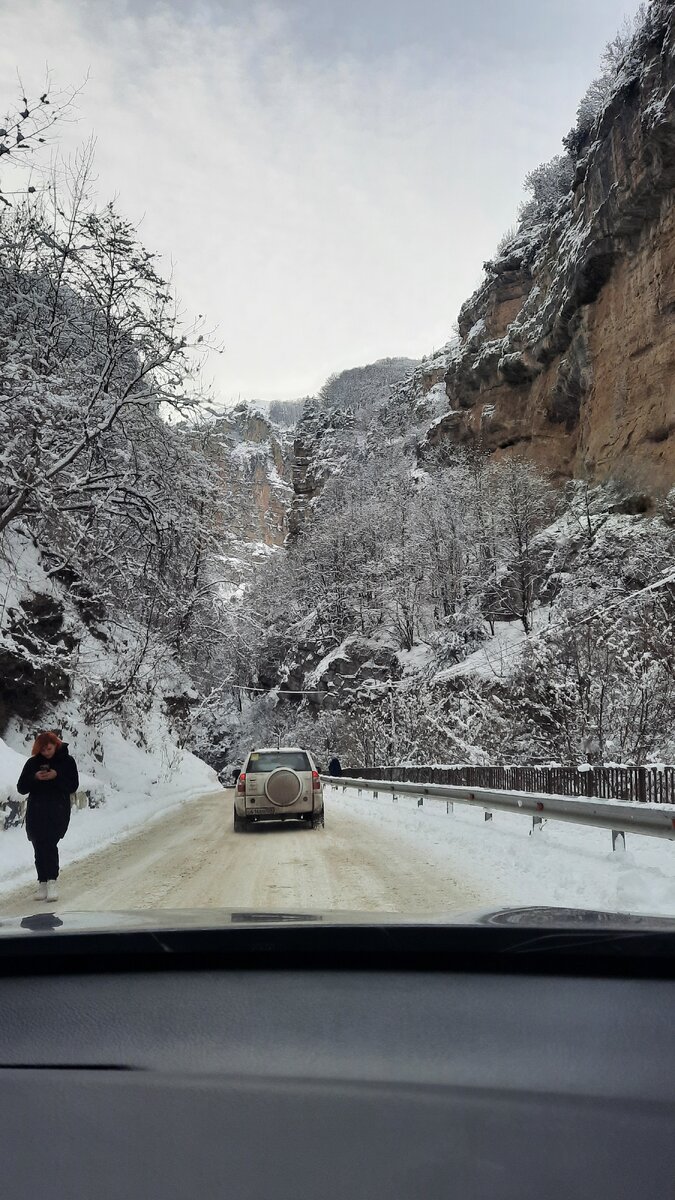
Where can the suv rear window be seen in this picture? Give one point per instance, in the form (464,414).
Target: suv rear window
(269,760)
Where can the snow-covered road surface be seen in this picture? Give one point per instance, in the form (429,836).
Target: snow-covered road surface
(193,859)
(373,855)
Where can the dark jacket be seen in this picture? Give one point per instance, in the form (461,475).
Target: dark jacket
(335,768)
(48,811)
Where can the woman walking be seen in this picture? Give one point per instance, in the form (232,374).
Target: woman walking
(49,778)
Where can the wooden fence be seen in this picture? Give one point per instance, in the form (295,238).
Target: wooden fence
(649,785)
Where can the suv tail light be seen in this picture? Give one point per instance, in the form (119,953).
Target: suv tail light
(241,784)
(316,782)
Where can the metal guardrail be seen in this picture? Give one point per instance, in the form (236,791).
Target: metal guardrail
(617,816)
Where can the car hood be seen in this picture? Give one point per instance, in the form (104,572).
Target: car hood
(217,919)
(552,940)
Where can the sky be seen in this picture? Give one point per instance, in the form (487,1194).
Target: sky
(324,178)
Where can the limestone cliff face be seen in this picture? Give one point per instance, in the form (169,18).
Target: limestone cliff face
(254,459)
(567,351)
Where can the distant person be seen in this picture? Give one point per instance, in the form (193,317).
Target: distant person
(335,768)
(49,778)
(235,775)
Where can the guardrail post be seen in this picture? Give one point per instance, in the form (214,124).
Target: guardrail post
(537,822)
(618,839)
(449,806)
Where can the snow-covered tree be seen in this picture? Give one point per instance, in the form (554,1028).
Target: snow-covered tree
(547,184)
(598,92)
(102,459)
(26,128)
(522,503)
(360,389)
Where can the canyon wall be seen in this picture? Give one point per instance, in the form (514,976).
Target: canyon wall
(567,350)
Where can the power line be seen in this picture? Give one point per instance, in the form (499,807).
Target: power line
(240,687)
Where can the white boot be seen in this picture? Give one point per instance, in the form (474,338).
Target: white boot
(41,893)
(52,890)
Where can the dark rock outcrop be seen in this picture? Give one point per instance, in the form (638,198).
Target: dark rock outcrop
(34,659)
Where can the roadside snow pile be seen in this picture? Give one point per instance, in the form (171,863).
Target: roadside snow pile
(560,865)
(11,763)
(134,786)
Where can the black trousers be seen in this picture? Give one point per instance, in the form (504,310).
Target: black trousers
(46,860)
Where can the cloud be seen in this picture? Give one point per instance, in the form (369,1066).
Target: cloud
(323,211)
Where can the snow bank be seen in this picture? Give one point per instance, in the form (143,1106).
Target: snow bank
(560,865)
(133,787)
(11,763)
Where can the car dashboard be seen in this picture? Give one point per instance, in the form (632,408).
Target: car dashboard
(290,1055)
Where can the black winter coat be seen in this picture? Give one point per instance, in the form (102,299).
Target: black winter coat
(48,811)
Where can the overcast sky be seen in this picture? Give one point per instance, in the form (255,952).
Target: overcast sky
(327,176)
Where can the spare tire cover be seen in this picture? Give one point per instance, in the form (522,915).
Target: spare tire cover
(283,787)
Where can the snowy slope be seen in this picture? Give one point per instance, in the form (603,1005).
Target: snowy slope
(130,759)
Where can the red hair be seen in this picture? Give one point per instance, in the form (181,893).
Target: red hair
(45,739)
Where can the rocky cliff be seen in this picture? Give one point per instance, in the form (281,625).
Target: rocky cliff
(336,425)
(436,605)
(253,460)
(255,464)
(567,350)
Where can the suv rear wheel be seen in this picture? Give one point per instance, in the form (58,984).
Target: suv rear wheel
(318,820)
(240,824)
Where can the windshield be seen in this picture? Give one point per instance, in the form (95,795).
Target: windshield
(337,457)
(272,760)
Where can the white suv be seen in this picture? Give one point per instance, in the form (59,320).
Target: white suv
(278,785)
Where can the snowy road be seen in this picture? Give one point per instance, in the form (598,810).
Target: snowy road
(192,859)
(372,855)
